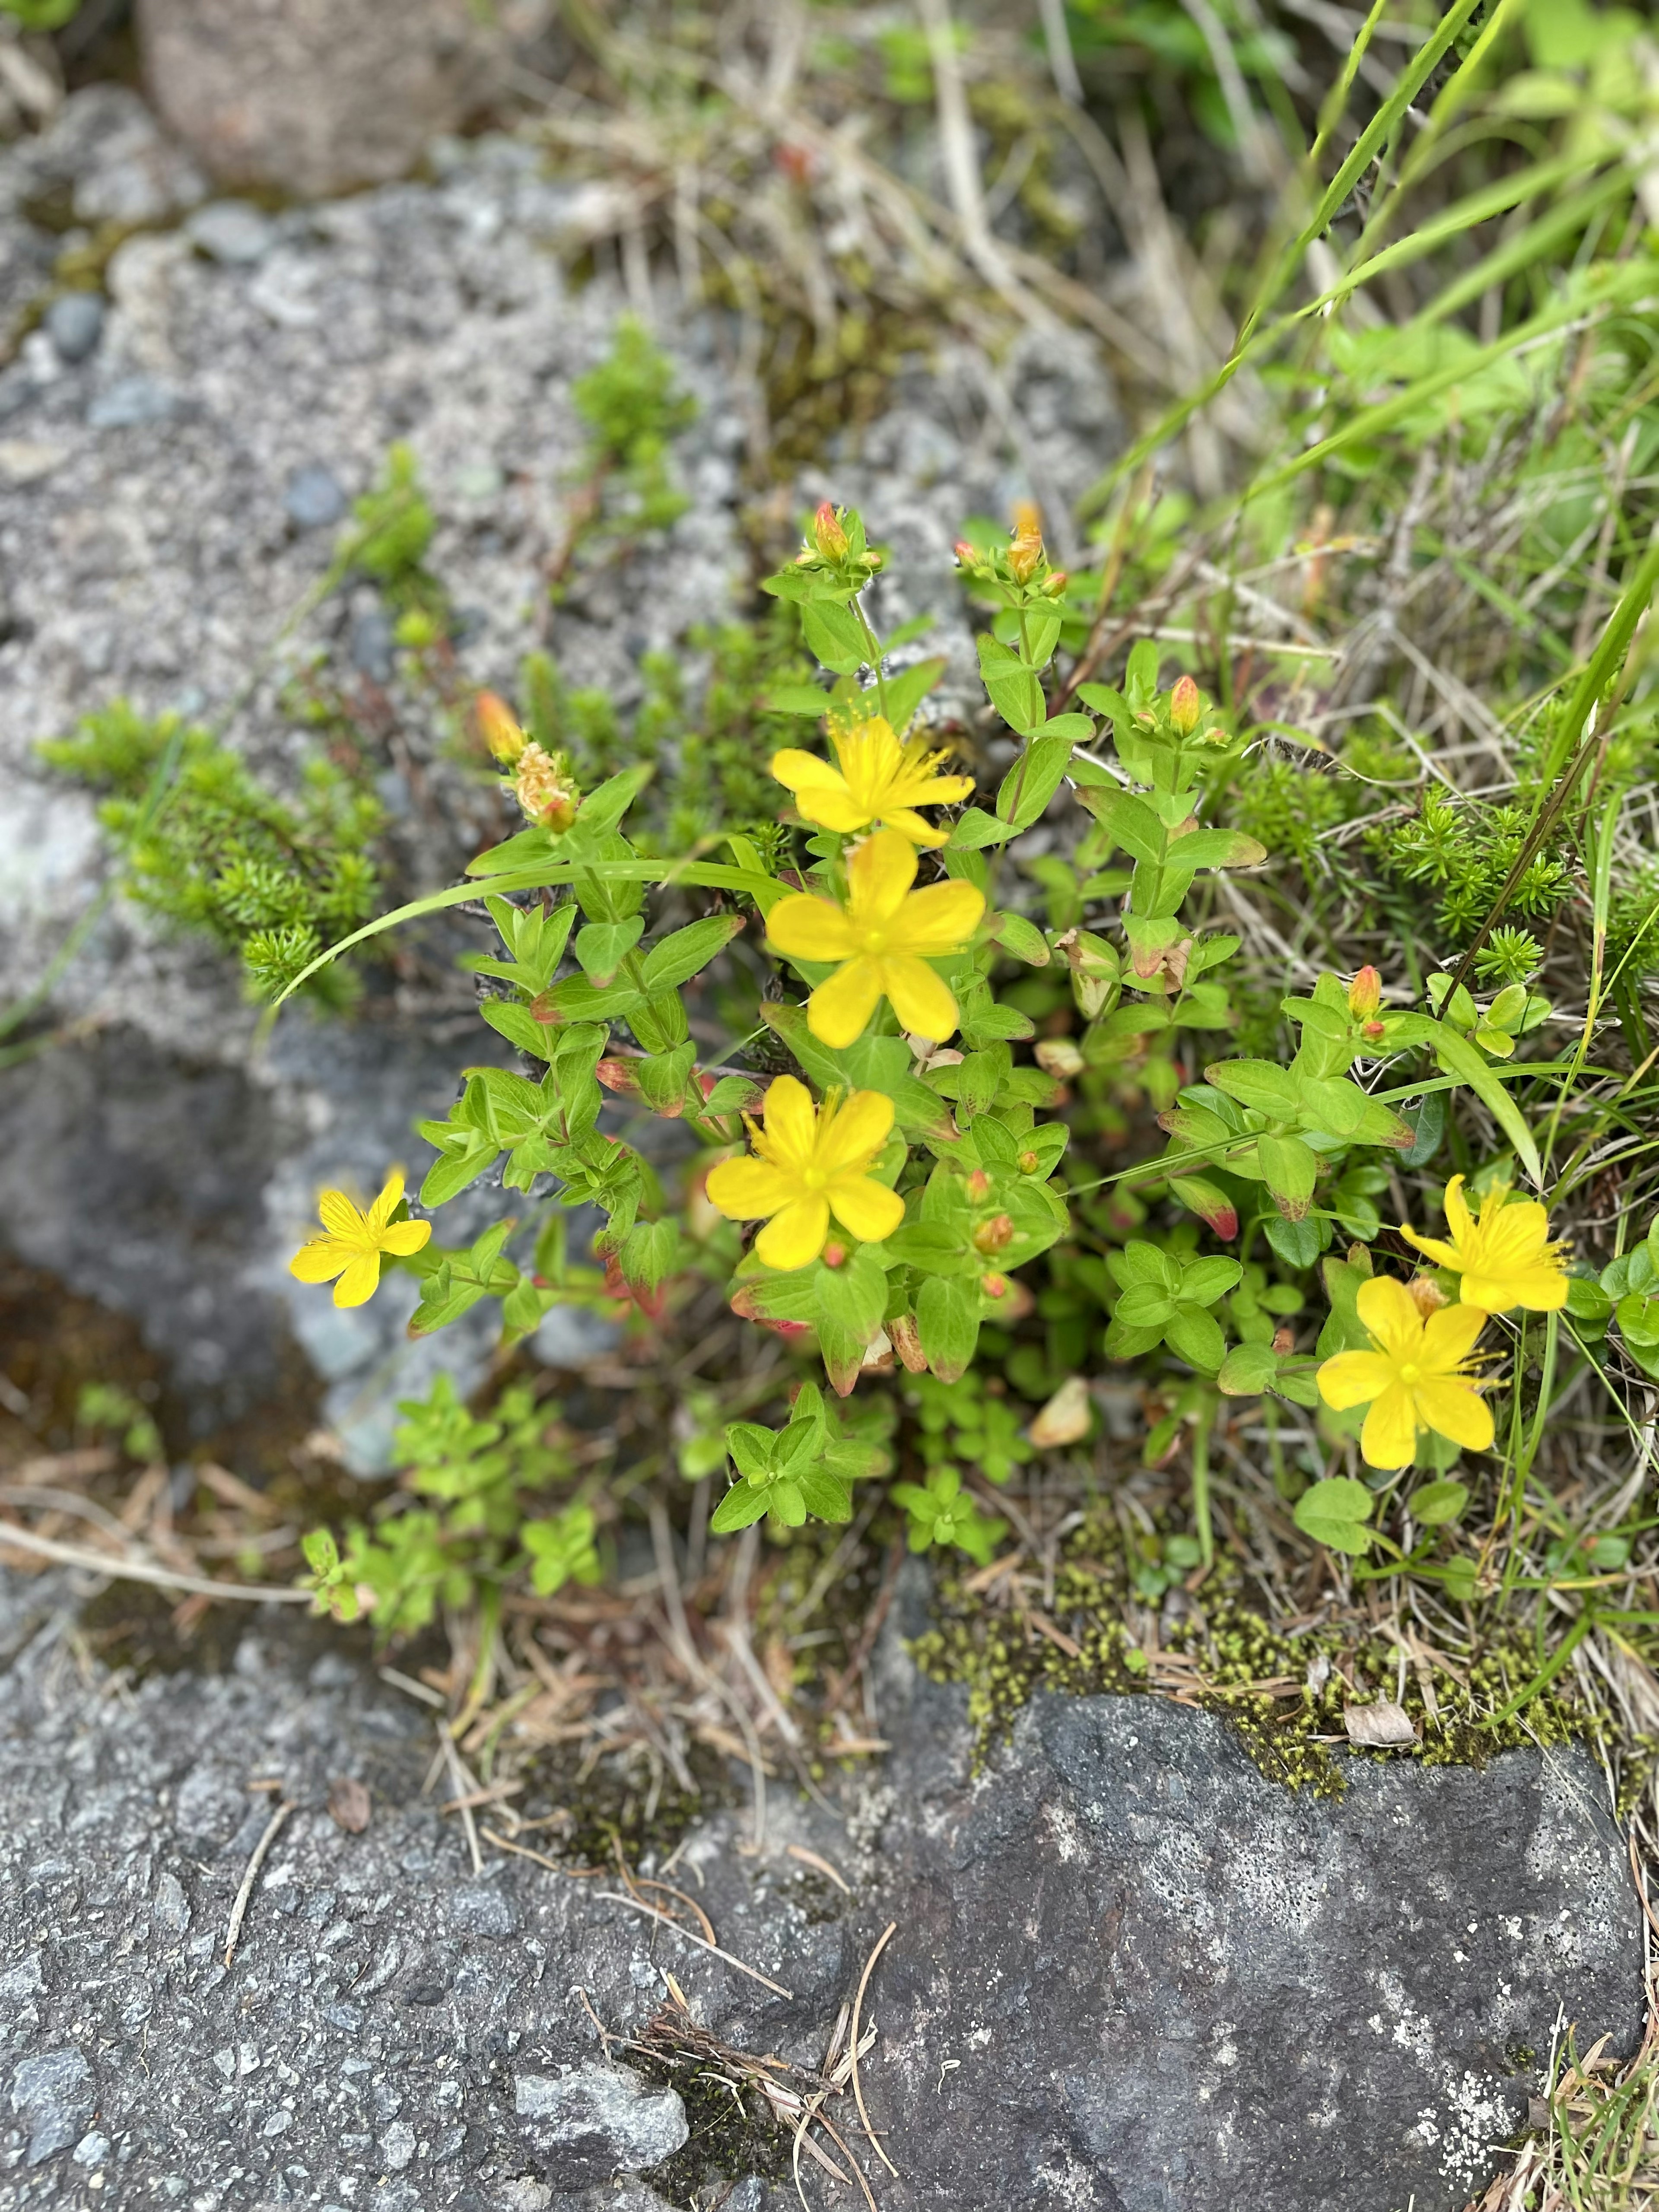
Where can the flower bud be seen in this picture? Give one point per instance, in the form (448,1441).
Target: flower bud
(967,555)
(543,788)
(995,1235)
(1185,707)
(1284,1340)
(498,729)
(1376,1031)
(1426,1295)
(1029,1162)
(828,534)
(835,1255)
(1365,994)
(1054,587)
(979,1184)
(994,1286)
(1059,1056)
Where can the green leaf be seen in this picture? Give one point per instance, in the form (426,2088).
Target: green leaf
(855,1295)
(976,828)
(1334,1512)
(1260,1084)
(1248,1369)
(604,808)
(1033,779)
(947,1316)
(1438,1502)
(678,958)
(513,1020)
(602,946)
(834,636)
(1196,1336)
(1024,941)
(796,699)
(1290,1171)
(825,1494)
(744,1503)
(1204,1281)
(1459,1058)
(908,687)
(1014,689)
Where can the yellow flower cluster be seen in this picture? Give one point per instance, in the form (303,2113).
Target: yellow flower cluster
(881,938)
(1417,1374)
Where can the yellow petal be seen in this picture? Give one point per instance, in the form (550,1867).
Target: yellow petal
(404,1238)
(849,1137)
(747,1190)
(1354,1378)
(791,1123)
(833,808)
(1459,1219)
(940,919)
(1387,1309)
(1389,1436)
(339,1216)
(321,1260)
(793,768)
(838,1010)
(1437,1250)
(388,1202)
(1540,1288)
(1449,1333)
(921,1000)
(867,1207)
(802,927)
(1455,1409)
(911,825)
(879,874)
(794,1237)
(360,1281)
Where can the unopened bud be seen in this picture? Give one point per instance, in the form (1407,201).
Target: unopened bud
(1054,587)
(1365,994)
(498,728)
(1374,1031)
(835,1255)
(967,555)
(1284,1340)
(979,1184)
(995,1235)
(1426,1295)
(1029,1162)
(828,535)
(1185,707)
(544,789)
(1059,1056)
(994,1286)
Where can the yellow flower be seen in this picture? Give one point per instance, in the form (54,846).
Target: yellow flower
(809,1163)
(882,939)
(879,780)
(1415,1377)
(1504,1255)
(353,1242)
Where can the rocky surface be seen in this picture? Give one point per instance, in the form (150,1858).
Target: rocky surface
(175,456)
(1128,1974)
(314,96)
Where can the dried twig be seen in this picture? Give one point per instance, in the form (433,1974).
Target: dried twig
(244,1894)
(882,1942)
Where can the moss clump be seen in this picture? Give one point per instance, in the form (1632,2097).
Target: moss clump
(733,2134)
(624,1802)
(1284,1694)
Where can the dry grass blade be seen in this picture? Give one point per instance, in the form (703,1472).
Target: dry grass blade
(638,1904)
(251,1875)
(882,1942)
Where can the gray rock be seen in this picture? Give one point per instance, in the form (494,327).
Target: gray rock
(315,95)
(53,2096)
(233,232)
(172,1907)
(74,323)
(312,497)
(597,2121)
(374,643)
(134,401)
(1129,1971)
(92,2151)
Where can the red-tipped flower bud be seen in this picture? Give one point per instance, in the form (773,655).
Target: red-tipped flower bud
(828,535)
(1365,994)
(995,1235)
(979,1184)
(1186,705)
(994,1286)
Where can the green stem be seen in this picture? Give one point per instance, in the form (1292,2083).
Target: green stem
(1201,1487)
(874,644)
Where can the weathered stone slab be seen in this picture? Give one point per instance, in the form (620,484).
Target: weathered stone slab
(1129,1973)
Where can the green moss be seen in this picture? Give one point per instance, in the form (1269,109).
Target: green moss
(622,1801)
(1293,1732)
